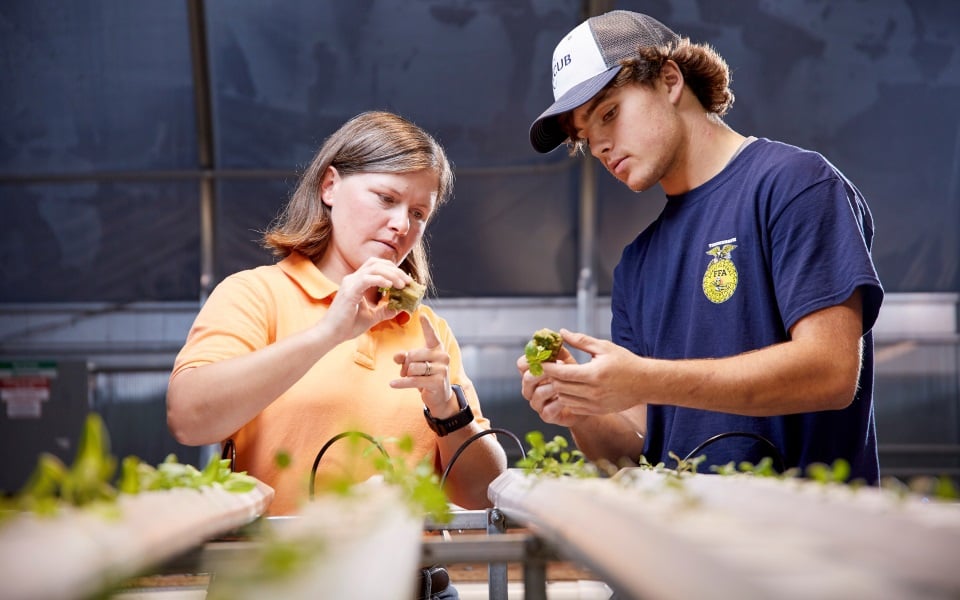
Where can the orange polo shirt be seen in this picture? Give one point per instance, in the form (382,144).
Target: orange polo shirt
(346,390)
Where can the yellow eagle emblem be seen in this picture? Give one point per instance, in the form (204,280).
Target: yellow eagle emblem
(720,278)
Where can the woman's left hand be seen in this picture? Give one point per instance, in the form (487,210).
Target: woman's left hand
(427,369)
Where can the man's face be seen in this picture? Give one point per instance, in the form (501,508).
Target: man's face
(632,130)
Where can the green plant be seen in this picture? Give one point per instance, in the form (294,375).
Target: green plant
(543,346)
(89,479)
(282,459)
(838,472)
(940,488)
(285,560)
(687,465)
(420,483)
(553,459)
(417,481)
(764,468)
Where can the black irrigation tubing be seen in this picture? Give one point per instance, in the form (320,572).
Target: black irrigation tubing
(473,438)
(749,434)
(229,451)
(330,442)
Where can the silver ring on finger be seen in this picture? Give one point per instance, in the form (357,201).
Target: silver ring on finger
(428,370)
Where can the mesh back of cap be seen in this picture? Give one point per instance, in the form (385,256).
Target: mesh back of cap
(620,33)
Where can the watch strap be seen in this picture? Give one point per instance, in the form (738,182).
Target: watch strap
(460,420)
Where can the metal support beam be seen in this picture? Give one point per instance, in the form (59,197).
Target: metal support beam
(205,143)
(497,582)
(587,274)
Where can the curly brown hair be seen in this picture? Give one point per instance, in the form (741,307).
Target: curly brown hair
(704,71)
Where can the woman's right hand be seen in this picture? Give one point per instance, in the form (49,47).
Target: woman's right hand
(356,308)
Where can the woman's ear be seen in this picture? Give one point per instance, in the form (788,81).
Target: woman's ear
(329,183)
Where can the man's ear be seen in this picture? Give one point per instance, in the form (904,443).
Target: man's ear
(672,78)
(329,183)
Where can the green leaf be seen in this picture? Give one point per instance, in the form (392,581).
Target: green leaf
(129,480)
(551,459)
(283,459)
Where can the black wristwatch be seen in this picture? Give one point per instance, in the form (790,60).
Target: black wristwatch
(458,421)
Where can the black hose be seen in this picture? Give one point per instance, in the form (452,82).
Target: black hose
(473,438)
(776,452)
(330,442)
(229,450)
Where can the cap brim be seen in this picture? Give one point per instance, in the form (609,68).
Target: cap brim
(546,133)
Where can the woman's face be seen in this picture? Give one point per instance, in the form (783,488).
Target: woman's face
(375,214)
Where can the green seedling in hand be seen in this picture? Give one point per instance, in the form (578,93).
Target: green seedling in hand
(543,347)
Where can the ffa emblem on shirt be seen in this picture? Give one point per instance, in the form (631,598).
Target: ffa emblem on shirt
(720,278)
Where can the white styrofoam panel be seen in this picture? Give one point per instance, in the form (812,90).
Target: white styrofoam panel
(653,535)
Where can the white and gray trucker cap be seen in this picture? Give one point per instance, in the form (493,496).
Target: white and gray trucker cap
(587,58)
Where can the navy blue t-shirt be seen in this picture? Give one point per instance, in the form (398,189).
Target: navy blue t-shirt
(729,267)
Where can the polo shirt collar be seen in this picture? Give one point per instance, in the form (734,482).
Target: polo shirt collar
(304,273)
(301,270)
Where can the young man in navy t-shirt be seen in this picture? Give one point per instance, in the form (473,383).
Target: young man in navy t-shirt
(742,315)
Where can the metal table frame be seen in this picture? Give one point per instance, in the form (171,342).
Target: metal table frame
(497,549)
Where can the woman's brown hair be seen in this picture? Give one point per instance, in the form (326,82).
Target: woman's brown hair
(371,142)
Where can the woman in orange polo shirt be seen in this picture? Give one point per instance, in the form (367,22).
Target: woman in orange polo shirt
(282,358)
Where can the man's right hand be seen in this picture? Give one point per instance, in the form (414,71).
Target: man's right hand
(540,393)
